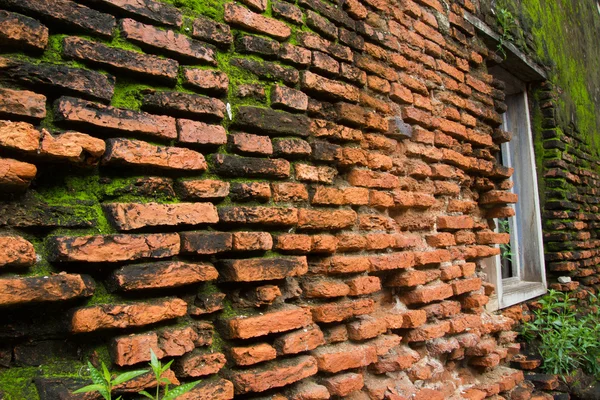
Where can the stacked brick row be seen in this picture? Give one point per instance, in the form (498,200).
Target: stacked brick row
(289,199)
(571,213)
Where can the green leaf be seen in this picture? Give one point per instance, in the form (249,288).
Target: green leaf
(166,367)
(89,388)
(179,390)
(106,373)
(148,395)
(127,376)
(96,376)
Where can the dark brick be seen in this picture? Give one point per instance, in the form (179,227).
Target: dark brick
(144,10)
(206,242)
(162,274)
(234,166)
(66,13)
(294,54)
(256,45)
(251,191)
(329,11)
(291,148)
(321,25)
(184,104)
(19,31)
(265,120)
(267,70)
(100,117)
(58,287)
(287,11)
(51,77)
(121,60)
(270,216)
(168,42)
(211,31)
(352,39)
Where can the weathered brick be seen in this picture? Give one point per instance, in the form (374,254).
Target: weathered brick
(211,31)
(262,269)
(300,341)
(287,11)
(310,173)
(97,116)
(273,375)
(16,252)
(259,215)
(495,197)
(267,70)
(199,364)
(241,16)
(284,97)
(252,241)
(169,42)
(66,13)
(206,242)
(162,274)
(249,44)
(49,77)
(234,166)
(113,248)
(272,122)
(295,54)
(398,358)
(372,179)
(253,354)
(342,310)
(22,103)
(207,189)
(128,216)
(184,104)
(455,222)
(248,143)
(145,10)
(89,319)
(220,389)
(330,88)
(120,60)
(325,219)
(52,288)
(207,80)
(429,293)
(200,133)
(340,357)
(17,30)
(258,191)
(16,174)
(142,154)
(274,321)
(344,384)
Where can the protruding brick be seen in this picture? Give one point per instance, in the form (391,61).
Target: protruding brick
(261,269)
(16,174)
(273,375)
(207,189)
(200,133)
(162,275)
(340,357)
(211,31)
(429,293)
(220,389)
(344,384)
(310,173)
(16,252)
(22,103)
(199,364)
(299,341)
(284,97)
(206,242)
(258,215)
(253,354)
(59,287)
(147,10)
(107,316)
(183,104)
(212,81)
(325,219)
(167,41)
(227,165)
(141,154)
(113,248)
(342,310)
(21,31)
(241,16)
(251,144)
(128,216)
(121,60)
(271,122)
(279,320)
(329,88)
(97,116)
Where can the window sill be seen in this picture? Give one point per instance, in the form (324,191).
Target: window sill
(514,292)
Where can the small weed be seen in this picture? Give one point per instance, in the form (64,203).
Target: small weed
(507,23)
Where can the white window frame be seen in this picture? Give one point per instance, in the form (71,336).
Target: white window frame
(529,273)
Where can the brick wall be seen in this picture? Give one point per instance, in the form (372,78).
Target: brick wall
(290,199)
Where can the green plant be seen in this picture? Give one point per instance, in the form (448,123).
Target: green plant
(568,336)
(505,249)
(158,370)
(507,23)
(104,381)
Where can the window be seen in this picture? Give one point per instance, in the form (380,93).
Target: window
(518,272)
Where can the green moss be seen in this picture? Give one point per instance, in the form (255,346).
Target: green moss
(210,8)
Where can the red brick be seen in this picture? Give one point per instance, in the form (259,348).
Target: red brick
(162,275)
(253,354)
(347,264)
(22,103)
(202,189)
(21,31)
(330,88)
(428,293)
(167,41)
(211,31)
(128,216)
(183,104)
(294,54)
(206,242)
(495,197)
(293,243)
(405,319)
(252,241)
(340,357)
(344,384)
(199,364)
(455,222)
(279,320)
(362,285)
(307,390)
(72,146)
(428,331)
(152,11)
(282,96)
(121,60)
(412,278)
(107,316)
(312,173)
(324,64)
(251,144)
(392,261)
(113,248)
(61,287)
(220,389)
(196,132)
(273,375)
(325,219)
(306,339)
(241,16)
(207,80)
(366,327)
(260,269)
(289,191)
(323,288)
(287,11)
(324,244)
(259,215)
(332,196)
(398,358)
(141,154)
(16,252)
(372,179)
(342,310)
